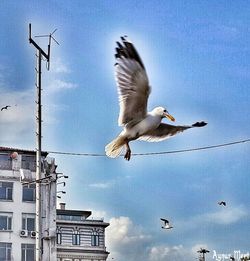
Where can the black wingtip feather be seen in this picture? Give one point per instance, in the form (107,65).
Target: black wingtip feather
(127,50)
(119,45)
(199,124)
(123,38)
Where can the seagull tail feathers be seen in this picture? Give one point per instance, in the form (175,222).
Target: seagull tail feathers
(114,148)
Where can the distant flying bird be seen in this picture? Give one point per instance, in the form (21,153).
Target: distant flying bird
(166,224)
(222,203)
(134,89)
(5,107)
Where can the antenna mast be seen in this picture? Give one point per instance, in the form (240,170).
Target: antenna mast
(202,252)
(39,55)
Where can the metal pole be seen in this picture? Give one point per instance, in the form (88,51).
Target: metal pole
(41,249)
(38,155)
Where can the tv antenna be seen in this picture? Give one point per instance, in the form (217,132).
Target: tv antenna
(40,55)
(49,36)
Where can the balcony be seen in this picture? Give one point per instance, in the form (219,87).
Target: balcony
(31,165)
(5,164)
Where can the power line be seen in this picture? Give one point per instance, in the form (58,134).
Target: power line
(155,153)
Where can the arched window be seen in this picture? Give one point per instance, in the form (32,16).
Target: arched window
(76,238)
(95,238)
(58,236)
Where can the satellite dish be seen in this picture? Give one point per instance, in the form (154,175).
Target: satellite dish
(14,155)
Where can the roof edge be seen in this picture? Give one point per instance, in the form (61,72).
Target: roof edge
(24,151)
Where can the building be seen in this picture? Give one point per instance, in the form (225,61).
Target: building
(80,238)
(17,205)
(77,237)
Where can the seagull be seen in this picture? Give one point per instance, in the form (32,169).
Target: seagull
(222,203)
(166,224)
(133,91)
(5,107)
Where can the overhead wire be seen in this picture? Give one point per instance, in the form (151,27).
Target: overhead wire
(156,153)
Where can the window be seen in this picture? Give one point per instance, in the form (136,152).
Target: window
(76,238)
(28,222)
(95,238)
(5,251)
(29,192)
(6,189)
(28,252)
(5,221)
(29,162)
(5,162)
(70,217)
(59,236)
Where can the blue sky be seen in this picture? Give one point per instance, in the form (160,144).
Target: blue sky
(197,58)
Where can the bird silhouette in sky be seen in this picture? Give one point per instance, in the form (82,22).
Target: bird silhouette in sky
(166,224)
(133,90)
(5,107)
(222,203)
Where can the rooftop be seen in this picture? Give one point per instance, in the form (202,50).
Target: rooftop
(69,212)
(24,151)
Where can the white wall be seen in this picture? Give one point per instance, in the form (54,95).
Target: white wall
(17,207)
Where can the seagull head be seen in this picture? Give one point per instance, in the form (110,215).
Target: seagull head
(163,113)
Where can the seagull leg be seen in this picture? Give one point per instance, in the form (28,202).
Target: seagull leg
(128,152)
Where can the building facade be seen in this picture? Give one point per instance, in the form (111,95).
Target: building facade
(17,205)
(80,238)
(77,236)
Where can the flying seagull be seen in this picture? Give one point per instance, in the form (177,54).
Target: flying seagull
(222,203)
(133,90)
(166,224)
(5,107)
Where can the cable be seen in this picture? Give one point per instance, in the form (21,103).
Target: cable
(155,153)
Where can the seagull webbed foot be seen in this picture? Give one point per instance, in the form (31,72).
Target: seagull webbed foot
(127,155)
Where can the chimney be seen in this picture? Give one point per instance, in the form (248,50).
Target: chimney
(62,206)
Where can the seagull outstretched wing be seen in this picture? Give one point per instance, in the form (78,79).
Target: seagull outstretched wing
(5,107)
(165,220)
(165,131)
(132,83)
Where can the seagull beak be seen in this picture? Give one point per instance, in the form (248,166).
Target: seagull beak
(170,117)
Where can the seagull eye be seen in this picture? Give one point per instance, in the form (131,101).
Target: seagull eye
(165,111)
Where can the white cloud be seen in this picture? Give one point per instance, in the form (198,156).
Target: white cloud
(227,215)
(123,230)
(173,253)
(101,185)
(17,124)
(96,214)
(126,241)
(129,242)
(58,66)
(22,106)
(57,85)
(224,216)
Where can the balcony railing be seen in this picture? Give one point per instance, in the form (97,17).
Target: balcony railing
(31,165)
(5,164)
